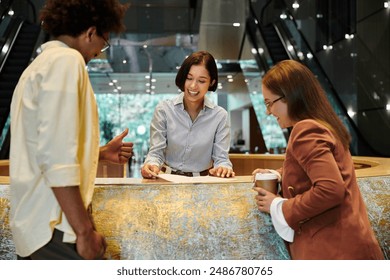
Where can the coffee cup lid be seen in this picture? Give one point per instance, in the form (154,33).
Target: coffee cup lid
(266,176)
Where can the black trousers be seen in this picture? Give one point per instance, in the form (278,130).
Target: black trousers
(55,250)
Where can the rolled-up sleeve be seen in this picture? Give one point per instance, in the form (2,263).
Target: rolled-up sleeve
(58,125)
(222,143)
(158,137)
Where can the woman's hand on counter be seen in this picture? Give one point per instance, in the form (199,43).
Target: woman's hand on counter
(222,172)
(150,171)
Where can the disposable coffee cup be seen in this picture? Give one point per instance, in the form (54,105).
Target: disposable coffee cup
(267,181)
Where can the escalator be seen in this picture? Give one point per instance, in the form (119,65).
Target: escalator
(274,44)
(282,39)
(267,37)
(19,41)
(270,42)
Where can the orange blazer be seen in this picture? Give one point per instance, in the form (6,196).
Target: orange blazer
(324,207)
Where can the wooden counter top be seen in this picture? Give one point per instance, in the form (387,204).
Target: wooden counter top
(244,164)
(372,166)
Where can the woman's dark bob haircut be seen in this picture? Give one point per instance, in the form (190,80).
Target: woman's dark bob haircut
(198,58)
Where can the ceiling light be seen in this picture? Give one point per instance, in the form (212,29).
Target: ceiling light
(5,49)
(236,24)
(351,113)
(141,129)
(388,107)
(386,4)
(325,47)
(295,5)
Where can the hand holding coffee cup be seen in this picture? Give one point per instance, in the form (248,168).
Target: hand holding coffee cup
(267,181)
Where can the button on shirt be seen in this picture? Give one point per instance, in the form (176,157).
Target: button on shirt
(185,145)
(55,143)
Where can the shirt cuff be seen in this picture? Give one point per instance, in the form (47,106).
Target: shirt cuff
(152,161)
(63,175)
(278,220)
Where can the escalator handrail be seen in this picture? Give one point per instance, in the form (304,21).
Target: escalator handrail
(15,26)
(285,38)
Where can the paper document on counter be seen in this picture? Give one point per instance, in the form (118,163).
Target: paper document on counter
(197,179)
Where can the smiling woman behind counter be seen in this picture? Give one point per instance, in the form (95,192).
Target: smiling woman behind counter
(190,135)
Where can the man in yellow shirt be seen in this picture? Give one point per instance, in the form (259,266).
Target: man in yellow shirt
(55,135)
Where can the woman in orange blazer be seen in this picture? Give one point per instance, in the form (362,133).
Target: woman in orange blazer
(321,213)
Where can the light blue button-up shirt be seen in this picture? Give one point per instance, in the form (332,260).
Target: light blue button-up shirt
(185,145)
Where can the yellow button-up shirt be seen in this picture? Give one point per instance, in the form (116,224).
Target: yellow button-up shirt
(54,143)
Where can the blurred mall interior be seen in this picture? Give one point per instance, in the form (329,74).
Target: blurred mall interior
(345,43)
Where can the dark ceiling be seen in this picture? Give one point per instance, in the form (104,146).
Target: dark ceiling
(160,34)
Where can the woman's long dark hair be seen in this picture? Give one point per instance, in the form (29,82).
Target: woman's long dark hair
(304,96)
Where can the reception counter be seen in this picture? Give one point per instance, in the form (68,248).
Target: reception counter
(156,219)
(244,164)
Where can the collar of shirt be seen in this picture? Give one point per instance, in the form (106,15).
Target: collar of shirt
(53,44)
(207,101)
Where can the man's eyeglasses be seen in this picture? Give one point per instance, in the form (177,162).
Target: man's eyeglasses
(269,104)
(106,46)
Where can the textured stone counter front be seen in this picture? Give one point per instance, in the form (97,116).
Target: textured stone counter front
(202,221)
(195,221)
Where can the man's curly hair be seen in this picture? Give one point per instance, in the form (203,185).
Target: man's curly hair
(73,17)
